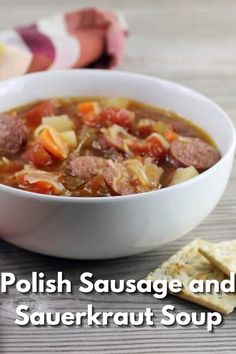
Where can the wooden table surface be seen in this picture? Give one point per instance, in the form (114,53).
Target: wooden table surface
(188,41)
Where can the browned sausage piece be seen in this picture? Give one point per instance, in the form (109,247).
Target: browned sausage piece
(194,152)
(13,134)
(86,167)
(118,178)
(115,174)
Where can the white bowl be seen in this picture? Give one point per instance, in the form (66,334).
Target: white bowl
(98,228)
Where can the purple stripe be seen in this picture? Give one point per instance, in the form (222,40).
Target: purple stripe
(37,42)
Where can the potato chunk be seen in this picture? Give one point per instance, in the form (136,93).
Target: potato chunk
(61,123)
(183,174)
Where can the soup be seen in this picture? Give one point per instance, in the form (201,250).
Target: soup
(98,147)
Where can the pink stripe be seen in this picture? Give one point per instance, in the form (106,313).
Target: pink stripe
(37,42)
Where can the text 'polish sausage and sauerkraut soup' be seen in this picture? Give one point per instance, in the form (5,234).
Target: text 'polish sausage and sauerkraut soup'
(99,147)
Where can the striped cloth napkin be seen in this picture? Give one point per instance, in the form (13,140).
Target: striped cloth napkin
(88,38)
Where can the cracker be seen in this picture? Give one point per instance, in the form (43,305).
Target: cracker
(188,264)
(222,255)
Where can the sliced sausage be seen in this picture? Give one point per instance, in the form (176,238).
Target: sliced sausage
(118,137)
(118,178)
(194,152)
(86,167)
(13,134)
(115,174)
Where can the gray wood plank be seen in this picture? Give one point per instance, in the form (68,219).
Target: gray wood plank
(192,42)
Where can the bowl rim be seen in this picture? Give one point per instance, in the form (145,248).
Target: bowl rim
(99,200)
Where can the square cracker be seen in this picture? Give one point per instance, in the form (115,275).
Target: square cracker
(188,264)
(222,255)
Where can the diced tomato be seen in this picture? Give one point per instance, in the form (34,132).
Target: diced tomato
(42,188)
(151,148)
(145,127)
(122,117)
(34,116)
(156,150)
(143,132)
(91,119)
(38,156)
(39,187)
(20,179)
(171,136)
(139,148)
(155,147)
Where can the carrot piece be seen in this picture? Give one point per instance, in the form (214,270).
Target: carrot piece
(88,107)
(53,143)
(171,136)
